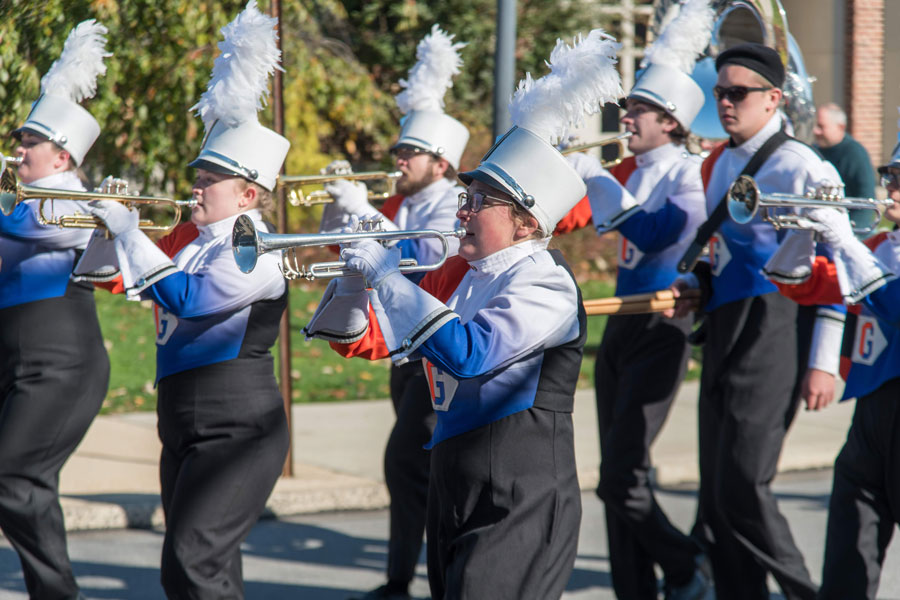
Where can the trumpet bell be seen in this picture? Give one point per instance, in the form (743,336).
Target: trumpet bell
(743,200)
(245,244)
(8,196)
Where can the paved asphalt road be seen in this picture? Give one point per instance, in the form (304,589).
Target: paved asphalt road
(329,556)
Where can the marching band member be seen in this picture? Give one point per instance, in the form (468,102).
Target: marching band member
(221,420)
(863,508)
(54,370)
(427,154)
(643,358)
(499,331)
(750,362)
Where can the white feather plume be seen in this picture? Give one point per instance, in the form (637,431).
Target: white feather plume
(582,78)
(74,74)
(240,77)
(437,61)
(684,38)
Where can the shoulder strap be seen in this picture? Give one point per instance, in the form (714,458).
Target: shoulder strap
(707,229)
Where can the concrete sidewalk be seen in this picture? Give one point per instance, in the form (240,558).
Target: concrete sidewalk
(112,480)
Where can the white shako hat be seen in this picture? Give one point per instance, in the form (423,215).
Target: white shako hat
(524,162)
(235,142)
(72,78)
(666,80)
(425,125)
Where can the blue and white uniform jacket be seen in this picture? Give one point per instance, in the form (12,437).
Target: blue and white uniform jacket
(666,185)
(36,260)
(496,336)
(738,253)
(207,311)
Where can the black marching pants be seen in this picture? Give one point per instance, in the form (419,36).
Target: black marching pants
(406,465)
(504,509)
(54,372)
(865,497)
(641,362)
(747,403)
(224,436)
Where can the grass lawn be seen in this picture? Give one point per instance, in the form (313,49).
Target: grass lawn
(319,374)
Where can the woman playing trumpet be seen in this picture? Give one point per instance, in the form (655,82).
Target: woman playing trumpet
(53,366)
(221,421)
(499,330)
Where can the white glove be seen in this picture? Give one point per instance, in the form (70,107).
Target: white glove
(859,272)
(372,260)
(610,202)
(337,167)
(352,197)
(347,286)
(585,165)
(115,215)
(832,225)
(792,262)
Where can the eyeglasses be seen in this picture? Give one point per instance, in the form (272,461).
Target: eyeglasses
(736,93)
(475,202)
(407,152)
(891,180)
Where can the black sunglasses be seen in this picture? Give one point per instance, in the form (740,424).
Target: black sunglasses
(890,179)
(408,152)
(736,93)
(476,201)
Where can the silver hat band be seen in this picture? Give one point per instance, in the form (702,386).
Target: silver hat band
(55,136)
(524,199)
(241,170)
(662,102)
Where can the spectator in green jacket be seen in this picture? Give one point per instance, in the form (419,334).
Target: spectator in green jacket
(846,154)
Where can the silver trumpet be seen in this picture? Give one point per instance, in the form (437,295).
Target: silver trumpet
(248,244)
(9,161)
(745,201)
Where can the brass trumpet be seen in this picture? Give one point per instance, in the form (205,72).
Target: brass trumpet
(618,140)
(12,193)
(295,184)
(745,201)
(248,244)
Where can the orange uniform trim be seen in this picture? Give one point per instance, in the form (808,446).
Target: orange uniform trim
(822,285)
(440,283)
(709,162)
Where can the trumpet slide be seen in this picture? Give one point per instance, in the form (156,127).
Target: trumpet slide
(248,244)
(12,193)
(745,201)
(297,197)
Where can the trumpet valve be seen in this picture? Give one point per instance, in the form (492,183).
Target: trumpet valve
(830,191)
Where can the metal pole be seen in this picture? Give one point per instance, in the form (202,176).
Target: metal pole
(505,64)
(284,328)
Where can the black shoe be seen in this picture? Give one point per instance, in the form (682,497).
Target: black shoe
(382,593)
(700,587)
